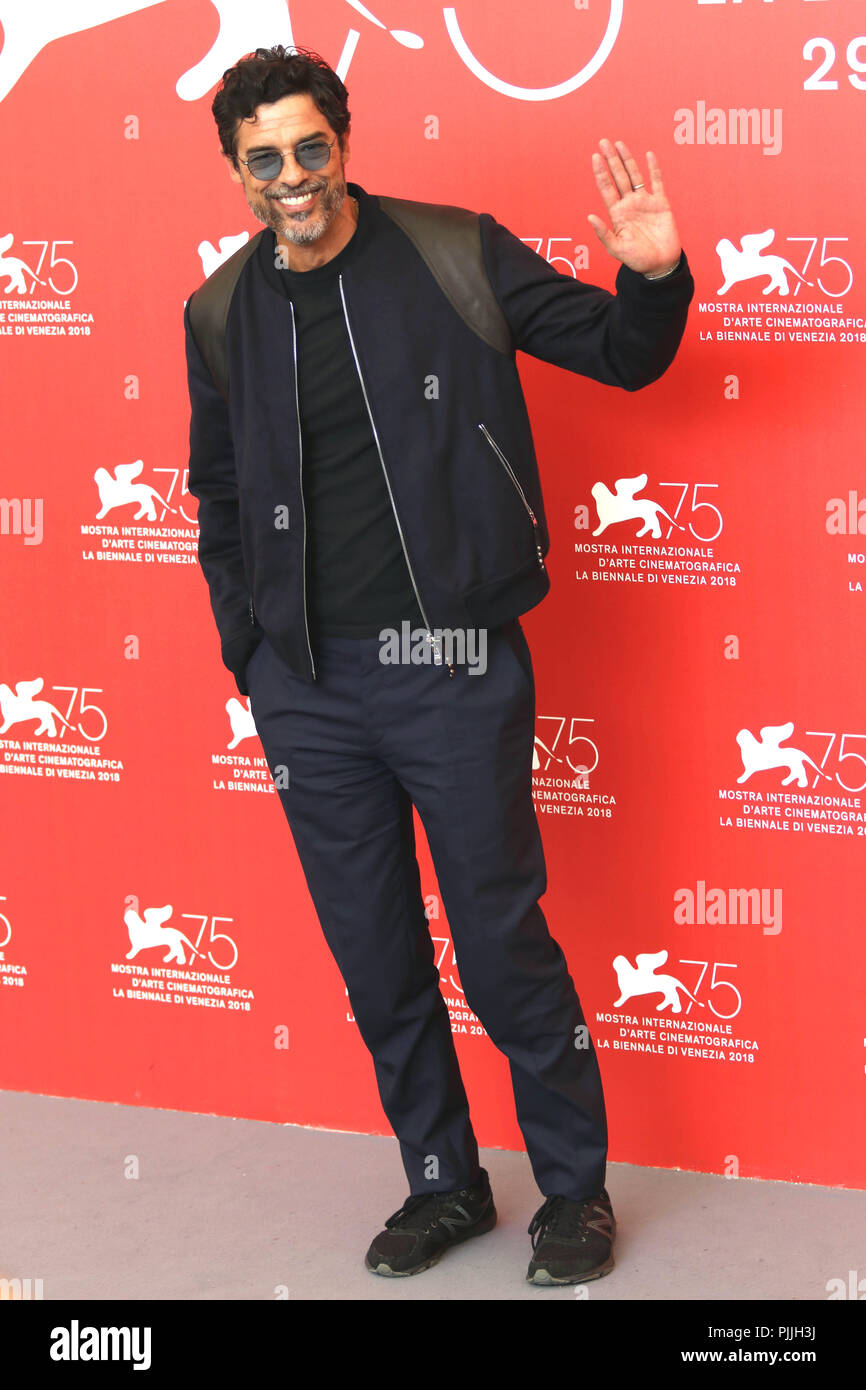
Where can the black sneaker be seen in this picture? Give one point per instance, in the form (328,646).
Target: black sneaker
(415,1237)
(572,1241)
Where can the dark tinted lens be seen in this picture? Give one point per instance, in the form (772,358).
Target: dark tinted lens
(265,165)
(315,155)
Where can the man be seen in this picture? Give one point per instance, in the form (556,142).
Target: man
(363,461)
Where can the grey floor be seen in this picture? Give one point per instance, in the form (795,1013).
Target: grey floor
(239,1209)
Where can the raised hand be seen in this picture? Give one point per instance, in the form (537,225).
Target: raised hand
(643,233)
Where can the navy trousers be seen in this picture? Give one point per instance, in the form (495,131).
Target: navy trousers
(359,746)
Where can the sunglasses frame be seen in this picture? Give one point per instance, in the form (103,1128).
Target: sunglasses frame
(294,154)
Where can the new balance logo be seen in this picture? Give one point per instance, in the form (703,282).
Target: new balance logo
(603,1224)
(452,1222)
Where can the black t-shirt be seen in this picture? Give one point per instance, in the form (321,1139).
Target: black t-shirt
(357,578)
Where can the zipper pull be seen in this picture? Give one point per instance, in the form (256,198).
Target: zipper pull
(537,546)
(252,614)
(437,654)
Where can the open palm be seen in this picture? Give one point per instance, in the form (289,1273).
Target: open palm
(642,232)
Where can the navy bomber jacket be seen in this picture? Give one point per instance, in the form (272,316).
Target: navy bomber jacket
(459,461)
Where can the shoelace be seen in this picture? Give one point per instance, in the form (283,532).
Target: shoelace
(412,1207)
(568,1220)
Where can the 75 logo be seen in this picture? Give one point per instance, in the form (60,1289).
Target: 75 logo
(175,474)
(689,509)
(578,746)
(841,756)
(19,271)
(22,707)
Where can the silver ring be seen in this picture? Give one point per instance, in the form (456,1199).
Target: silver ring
(636,186)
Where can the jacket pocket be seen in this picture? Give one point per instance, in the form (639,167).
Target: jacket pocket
(536,530)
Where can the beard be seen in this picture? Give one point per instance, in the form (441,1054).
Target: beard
(299,227)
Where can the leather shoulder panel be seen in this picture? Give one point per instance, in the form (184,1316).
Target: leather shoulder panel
(209,308)
(449,240)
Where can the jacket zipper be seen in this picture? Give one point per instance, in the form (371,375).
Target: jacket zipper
(436,644)
(301,484)
(510,471)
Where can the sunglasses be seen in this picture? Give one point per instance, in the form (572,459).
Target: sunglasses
(310,154)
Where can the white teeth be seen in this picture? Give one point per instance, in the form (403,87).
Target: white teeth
(290,202)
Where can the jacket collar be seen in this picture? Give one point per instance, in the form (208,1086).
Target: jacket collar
(368,214)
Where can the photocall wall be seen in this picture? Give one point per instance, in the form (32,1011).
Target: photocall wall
(700,757)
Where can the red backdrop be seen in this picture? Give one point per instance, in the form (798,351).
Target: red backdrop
(672,823)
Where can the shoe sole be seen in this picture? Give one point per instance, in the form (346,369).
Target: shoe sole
(484,1225)
(543,1276)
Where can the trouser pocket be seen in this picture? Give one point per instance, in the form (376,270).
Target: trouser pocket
(513,634)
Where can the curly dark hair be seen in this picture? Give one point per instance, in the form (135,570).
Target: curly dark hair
(269,74)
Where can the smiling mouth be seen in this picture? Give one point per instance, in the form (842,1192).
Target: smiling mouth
(295,201)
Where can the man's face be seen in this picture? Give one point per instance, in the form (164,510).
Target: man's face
(281,125)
